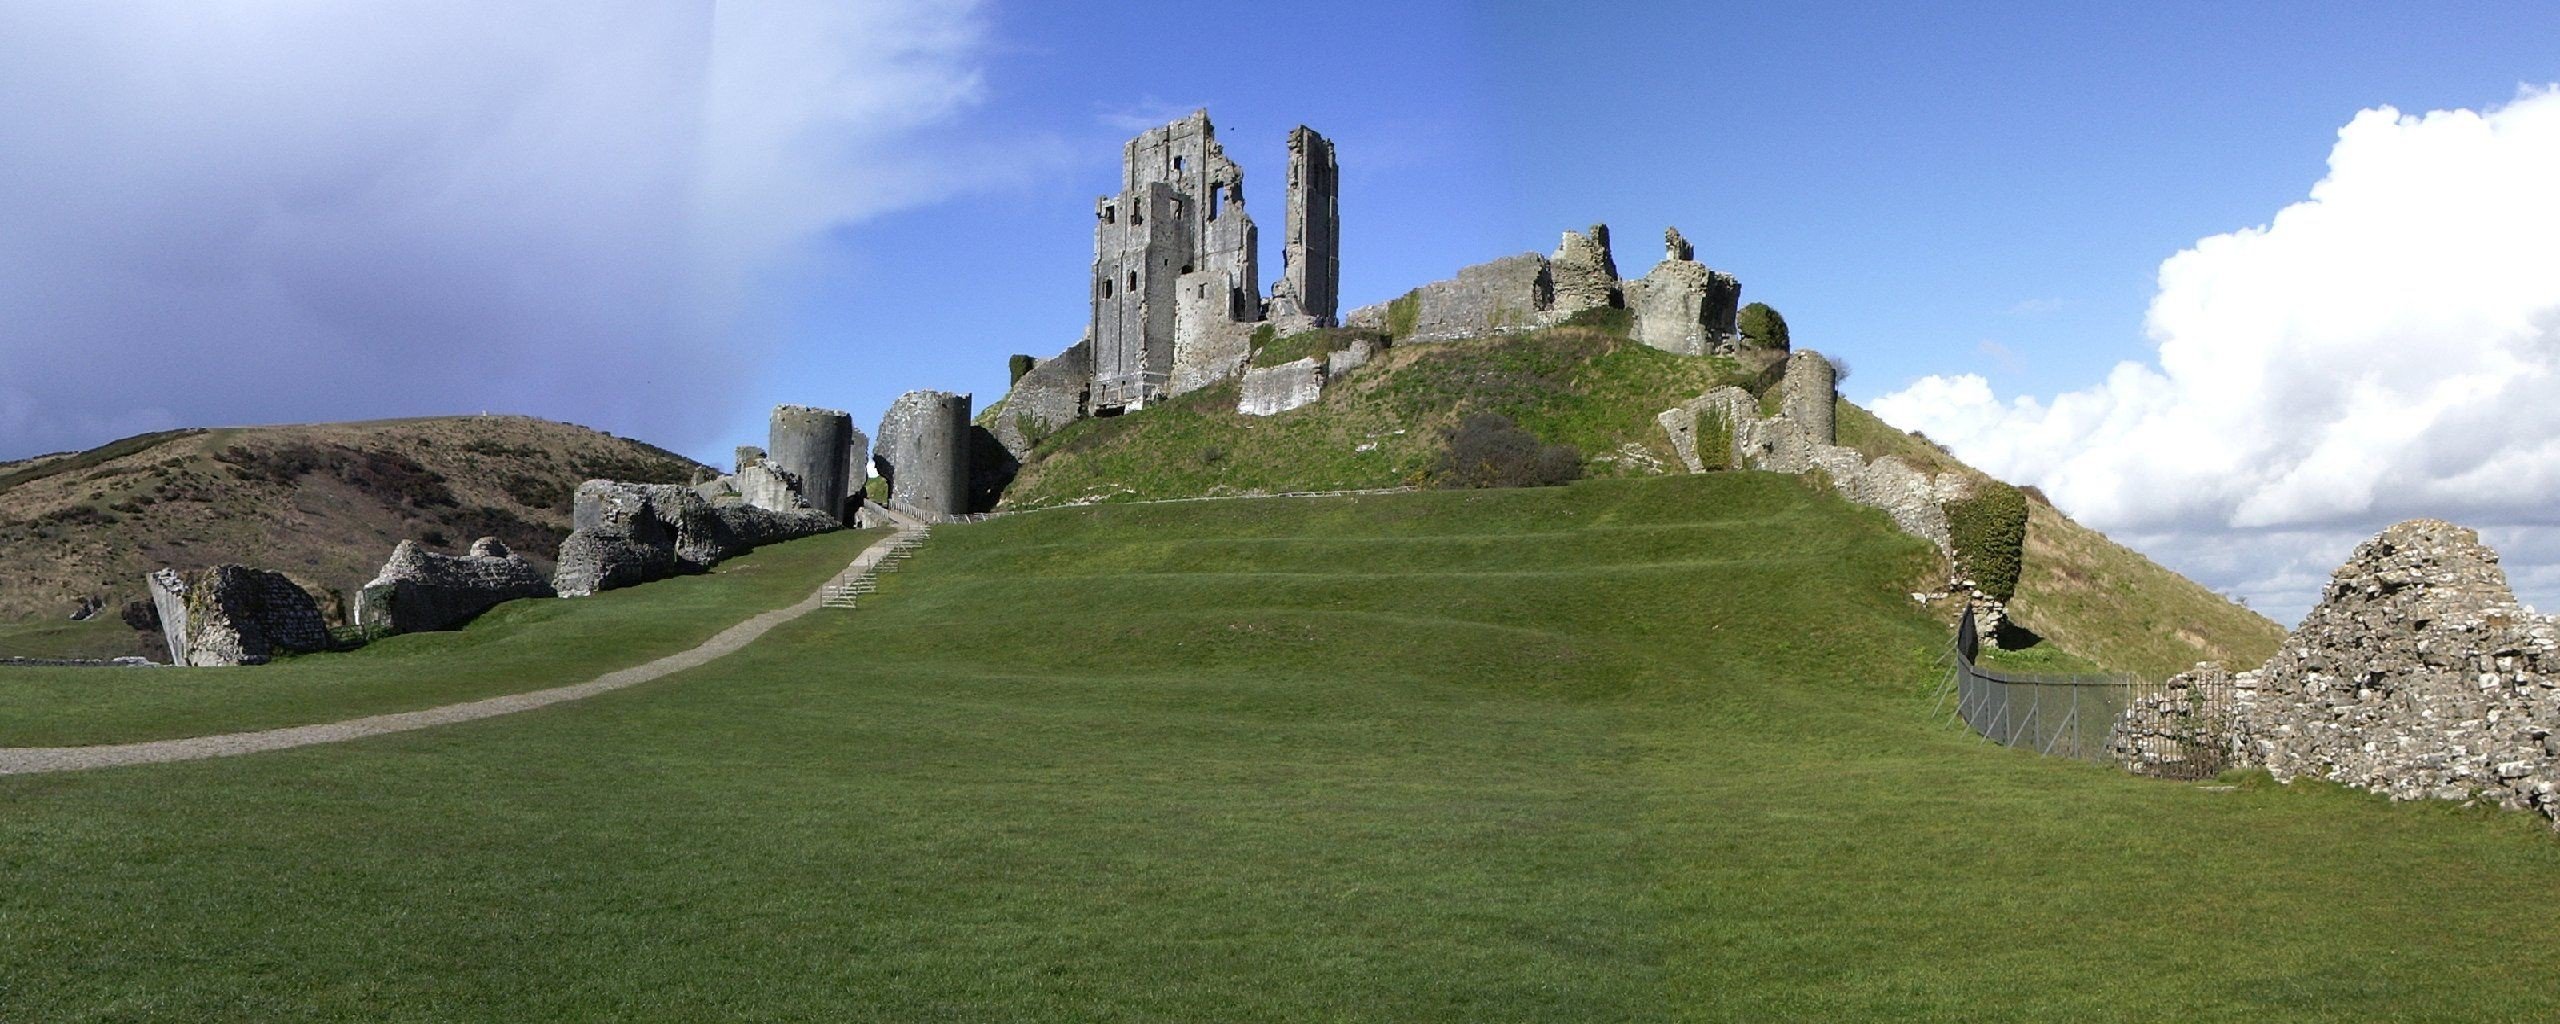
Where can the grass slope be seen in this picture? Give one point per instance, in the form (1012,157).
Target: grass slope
(517,646)
(1629,750)
(322,502)
(1380,426)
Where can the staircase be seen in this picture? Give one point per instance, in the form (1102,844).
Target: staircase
(863,576)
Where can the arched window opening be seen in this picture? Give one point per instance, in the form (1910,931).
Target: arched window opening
(1106,287)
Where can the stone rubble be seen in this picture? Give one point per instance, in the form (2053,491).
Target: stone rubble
(629,533)
(234,615)
(421,591)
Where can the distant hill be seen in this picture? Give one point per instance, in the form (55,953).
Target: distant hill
(324,503)
(2098,602)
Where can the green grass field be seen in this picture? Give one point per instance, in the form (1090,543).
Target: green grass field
(1630,750)
(517,646)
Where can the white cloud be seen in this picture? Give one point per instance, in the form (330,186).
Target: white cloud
(2385,349)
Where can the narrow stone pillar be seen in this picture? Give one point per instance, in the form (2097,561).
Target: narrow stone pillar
(1807,396)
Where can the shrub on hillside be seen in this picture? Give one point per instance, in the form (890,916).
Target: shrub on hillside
(1989,529)
(1017,366)
(1489,450)
(1761,326)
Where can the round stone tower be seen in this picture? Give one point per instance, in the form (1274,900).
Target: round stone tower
(1806,395)
(924,453)
(814,445)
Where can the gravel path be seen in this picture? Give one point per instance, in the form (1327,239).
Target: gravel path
(32,760)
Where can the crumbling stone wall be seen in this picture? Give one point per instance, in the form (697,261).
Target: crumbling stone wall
(2180,730)
(234,615)
(1783,444)
(1212,336)
(1350,357)
(1305,297)
(1514,293)
(420,590)
(1045,400)
(812,446)
(628,533)
(1272,390)
(2418,676)
(924,453)
(765,485)
(1585,275)
(1683,306)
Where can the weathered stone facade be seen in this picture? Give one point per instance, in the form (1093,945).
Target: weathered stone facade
(765,485)
(1350,357)
(234,615)
(1180,212)
(1306,295)
(420,590)
(924,453)
(629,533)
(1585,276)
(1272,390)
(1809,396)
(1683,306)
(1511,294)
(814,446)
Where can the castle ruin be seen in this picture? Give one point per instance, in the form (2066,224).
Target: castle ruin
(1176,278)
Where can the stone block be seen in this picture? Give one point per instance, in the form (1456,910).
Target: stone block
(1272,390)
(234,615)
(420,590)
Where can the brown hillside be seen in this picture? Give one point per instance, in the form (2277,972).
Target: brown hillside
(323,502)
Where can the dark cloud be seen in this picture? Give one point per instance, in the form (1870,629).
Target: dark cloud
(220,213)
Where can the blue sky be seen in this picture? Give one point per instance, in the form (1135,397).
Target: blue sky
(662,217)
(1984,187)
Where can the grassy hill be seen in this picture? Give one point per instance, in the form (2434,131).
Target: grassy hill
(2100,603)
(1642,749)
(323,502)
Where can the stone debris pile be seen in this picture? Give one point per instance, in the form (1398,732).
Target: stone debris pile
(422,591)
(630,533)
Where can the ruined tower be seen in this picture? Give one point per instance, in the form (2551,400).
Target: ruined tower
(814,446)
(1176,236)
(924,453)
(1310,257)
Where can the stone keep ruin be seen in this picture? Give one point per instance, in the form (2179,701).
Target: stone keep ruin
(1177,291)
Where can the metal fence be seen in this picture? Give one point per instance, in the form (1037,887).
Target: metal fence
(2063,715)
(2178,729)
